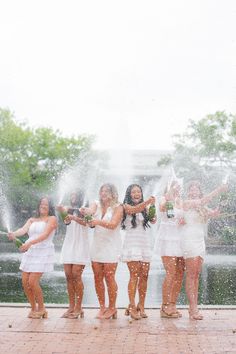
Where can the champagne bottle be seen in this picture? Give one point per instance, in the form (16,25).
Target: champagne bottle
(18,242)
(151,212)
(88,218)
(63,214)
(170,209)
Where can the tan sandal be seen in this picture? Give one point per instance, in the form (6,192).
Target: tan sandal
(141,312)
(195,315)
(165,314)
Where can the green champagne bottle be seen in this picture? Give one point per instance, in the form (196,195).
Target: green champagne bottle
(88,218)
(170,209)
(18,242)
(63,214)
(151,212)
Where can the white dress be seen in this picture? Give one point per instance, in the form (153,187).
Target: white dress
(106,244)
(41,256)
(137,241)
(193,237)
(75,248)
(169,234)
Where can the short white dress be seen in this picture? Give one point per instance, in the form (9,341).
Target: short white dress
(75,248)
(169,234)
(137,245)
(193,235)
(39,258)
(106,244)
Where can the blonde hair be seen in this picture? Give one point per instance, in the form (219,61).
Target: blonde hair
(113,192)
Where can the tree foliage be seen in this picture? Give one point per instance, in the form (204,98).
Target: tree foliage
(32,159)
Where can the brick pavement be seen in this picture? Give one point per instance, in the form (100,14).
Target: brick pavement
(55,335)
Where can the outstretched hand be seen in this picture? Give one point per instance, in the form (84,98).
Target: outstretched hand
(11,236)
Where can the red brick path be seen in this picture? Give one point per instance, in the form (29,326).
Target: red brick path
(55,335)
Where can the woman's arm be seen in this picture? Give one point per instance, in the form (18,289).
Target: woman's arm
(115,221)
(133,209)
(51,225)
(21,231)
(76,219)
(206,199)
(196,203)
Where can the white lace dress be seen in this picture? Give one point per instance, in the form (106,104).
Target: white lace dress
(75,248)
(106,244)
(137,244)
(41,256)
(193,236)
(169,234)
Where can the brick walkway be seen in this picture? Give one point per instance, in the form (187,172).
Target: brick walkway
(55,335)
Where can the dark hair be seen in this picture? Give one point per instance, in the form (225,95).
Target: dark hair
(51,211)
(128,200)
(80,198)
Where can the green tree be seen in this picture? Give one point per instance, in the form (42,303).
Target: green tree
(32,159)
(207,146)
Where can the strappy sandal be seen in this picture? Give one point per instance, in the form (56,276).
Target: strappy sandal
(132,312)
(165,314)
(195,315)
(141,312)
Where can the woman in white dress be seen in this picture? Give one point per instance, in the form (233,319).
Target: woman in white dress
(193,239)
(168,246)
(137,247)
(106,246)
(75,254)
(39,254)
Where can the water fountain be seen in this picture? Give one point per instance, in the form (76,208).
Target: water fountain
(121,169)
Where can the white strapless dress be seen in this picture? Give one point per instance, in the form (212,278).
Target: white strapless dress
(193,237)
(137,244)
(39,258)
(169,234)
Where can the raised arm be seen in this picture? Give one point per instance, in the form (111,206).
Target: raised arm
(196,203)
(115,221)
(133,209)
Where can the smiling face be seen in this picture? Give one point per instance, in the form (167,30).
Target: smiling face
(105,194)
(136,195)
(194,192)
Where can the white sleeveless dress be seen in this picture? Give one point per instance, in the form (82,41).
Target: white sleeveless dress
(41,256)
(193,237)
(137,244)
(169,234)
(75,248)
(106,244)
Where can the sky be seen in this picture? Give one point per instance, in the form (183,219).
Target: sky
(130,72)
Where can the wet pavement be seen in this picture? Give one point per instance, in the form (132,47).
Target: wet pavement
(56,335)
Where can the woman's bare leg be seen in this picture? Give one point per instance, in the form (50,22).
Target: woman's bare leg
(134,271)
(36,289)
(109,273)
(142,285)
(77,271)
(193,269)
(28,292)
(179,275)
(70,287)
(169,284)
(98,271)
